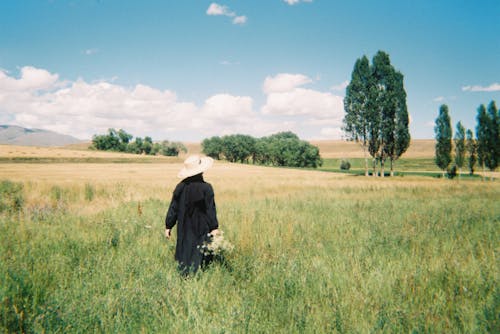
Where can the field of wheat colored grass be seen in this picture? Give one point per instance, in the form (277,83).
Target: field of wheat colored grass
(82,250)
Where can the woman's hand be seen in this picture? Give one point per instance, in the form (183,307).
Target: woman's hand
(214,232)
(167,233)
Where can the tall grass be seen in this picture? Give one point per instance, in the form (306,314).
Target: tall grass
(345,255)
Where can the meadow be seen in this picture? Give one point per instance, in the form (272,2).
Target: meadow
(82,250)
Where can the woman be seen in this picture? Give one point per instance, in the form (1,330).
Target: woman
(193,208)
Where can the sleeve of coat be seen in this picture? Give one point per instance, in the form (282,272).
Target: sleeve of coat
(213,223)
(173,209)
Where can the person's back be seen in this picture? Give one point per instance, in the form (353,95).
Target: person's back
(193,209)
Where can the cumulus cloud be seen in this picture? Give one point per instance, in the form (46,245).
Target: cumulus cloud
(217,10)
(494,87)
(340,87)
(284,82)
(240,19)
(294,2)
(286,97)
(31,79)
(331,133)
(39,99)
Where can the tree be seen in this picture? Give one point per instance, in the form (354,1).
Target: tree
(460,147)
(376,111)
(147,145)
(442,130)
(238,147)
(494,137)
(280,149)
(356,106)
(212,147)
(482,135)
(471,151)
(402,131)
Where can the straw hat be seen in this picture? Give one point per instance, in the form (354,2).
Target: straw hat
(195,164)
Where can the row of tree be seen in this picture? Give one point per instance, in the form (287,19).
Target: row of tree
(376,114)
(121,141)
(484,149)
(281,149)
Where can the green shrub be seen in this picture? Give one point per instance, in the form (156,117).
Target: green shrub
(345,165)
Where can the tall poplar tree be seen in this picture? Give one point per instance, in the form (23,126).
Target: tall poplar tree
(442,129)
(460,147)
(494,137)
(482,135)
(376,110)
(356,106)
(402,121)
(391,112)
(471,151)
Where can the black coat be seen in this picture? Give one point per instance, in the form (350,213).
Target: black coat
(193,208)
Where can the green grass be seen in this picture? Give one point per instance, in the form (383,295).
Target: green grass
(352,259)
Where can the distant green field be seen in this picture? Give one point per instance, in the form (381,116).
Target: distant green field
(403,166)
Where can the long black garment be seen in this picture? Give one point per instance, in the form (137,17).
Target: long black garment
(193,208)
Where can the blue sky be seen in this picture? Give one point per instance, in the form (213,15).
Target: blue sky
(186,70)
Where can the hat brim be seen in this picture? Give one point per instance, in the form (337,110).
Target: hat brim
(206,163)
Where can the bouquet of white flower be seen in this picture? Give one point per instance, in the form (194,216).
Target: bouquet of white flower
(216,245)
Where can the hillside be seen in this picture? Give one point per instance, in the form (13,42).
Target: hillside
(16,135)
(419,148)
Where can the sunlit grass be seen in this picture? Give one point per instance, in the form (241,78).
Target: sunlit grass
(315,252)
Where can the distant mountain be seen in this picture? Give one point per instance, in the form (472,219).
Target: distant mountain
(16,135)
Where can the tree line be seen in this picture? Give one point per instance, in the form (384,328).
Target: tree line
(280,149)
(483,150)
(376,114)
(121,141)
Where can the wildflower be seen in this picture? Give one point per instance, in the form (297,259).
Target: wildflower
(217,245)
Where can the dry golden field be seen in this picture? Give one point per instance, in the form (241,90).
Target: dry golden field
(419,148)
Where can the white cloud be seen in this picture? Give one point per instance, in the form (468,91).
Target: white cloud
(216,10)
(31,79)
(494,87)
(228,62)
(340,87)
(79,108)
(89,52)
(294,2)
(304,102)
(331,133)
(285,97)
(240,19)
(284,82)
(438,99)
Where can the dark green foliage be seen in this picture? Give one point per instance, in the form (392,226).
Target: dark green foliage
(442,130)
(212,147)
(11,196)
(238,147)
(120,141)
(460,146)
(345,165)
(281,149)
(471,151)
(451,172)
(376,110)
(493,136)
(482,135)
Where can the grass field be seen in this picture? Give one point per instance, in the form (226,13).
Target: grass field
(82,250)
